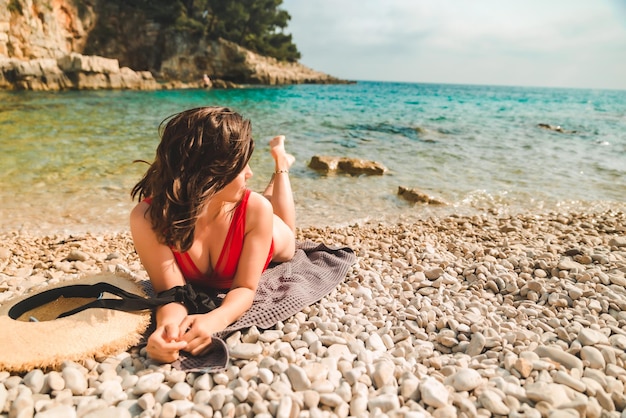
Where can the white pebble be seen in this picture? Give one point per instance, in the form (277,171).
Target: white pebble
(149,383)
(109,412)
(433,392)
(74,380)
(246,351)
(554,353)
(146,401)
(375,343)
(385,403)
(466,380)
(266,376)
(383,374)
(358,406)
(493,403)
(220,379)
(168,410)
(298,378)
(593,357)
(180,391)
(332,400)
(59,411)
(35,380)
(284,407)
(588,336)
(311,398)
(203,382)
(182,406)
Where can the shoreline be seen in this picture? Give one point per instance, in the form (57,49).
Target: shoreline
(486,314)
(97,218)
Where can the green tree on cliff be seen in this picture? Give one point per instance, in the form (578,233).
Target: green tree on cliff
(258,25)
(254,24)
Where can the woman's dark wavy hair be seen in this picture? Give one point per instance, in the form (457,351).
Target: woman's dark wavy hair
(201,151)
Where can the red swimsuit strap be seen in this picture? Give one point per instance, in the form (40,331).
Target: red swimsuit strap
(228,260)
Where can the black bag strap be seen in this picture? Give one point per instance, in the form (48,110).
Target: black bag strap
(195,301)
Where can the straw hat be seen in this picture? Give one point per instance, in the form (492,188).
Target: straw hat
(49,341)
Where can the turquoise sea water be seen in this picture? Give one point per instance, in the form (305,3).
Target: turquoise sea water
(67,157)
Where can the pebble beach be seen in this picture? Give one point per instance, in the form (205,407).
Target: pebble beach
(458,316)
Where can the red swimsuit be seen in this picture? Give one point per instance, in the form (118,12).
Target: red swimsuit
(226,266)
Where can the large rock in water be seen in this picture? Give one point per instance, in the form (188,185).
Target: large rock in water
(417,196)
(354,166)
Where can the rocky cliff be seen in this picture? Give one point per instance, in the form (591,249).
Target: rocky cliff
(56,45)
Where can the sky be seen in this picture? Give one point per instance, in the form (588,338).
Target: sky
(542,43)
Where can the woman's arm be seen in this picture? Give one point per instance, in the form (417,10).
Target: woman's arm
(160,264)
(256,247)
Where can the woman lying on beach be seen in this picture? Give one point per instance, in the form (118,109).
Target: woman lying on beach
(196,222)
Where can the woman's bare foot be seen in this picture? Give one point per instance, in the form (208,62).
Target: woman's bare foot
(282,159)
(279,193)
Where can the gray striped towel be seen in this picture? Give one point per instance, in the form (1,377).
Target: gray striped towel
(284,290)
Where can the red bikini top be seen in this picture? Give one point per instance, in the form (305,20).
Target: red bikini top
(226,267)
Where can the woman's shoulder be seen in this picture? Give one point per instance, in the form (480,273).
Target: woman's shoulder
(140,213)
(258,209)
(258,202)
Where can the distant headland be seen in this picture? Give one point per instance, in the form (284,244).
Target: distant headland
(59,47)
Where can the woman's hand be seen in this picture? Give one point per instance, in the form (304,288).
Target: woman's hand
(200,328)
(164,344)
